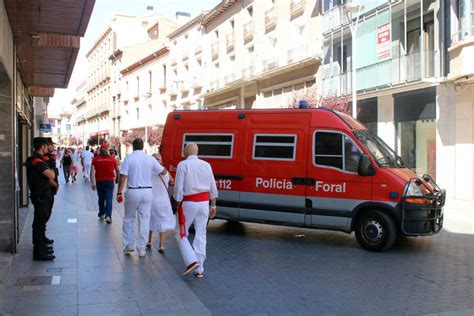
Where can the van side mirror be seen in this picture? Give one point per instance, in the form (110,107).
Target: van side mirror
(365,167)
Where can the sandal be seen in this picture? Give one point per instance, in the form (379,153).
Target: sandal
(161,250)
(200,275)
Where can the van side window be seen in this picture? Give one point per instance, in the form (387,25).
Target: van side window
(211,145)
(336,150)
(274,147)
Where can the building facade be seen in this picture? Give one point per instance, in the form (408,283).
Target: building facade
(79,108)
(405,82)
(36,56)
(260,54)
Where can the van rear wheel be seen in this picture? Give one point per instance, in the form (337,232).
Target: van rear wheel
(375,231)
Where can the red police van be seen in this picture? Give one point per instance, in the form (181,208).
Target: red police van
(312,168)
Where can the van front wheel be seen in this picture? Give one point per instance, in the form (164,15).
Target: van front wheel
(375,231)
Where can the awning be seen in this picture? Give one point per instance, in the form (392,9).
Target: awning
(47,35)
(104,132)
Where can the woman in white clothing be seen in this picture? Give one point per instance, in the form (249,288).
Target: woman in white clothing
(162,218)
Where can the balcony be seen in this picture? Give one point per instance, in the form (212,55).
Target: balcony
(334,18)
(391,72)
(214,50)
(248,32)
(197,50)
(173,89)
(183,86)
(297,7)
(230,41)
(270,64)
(185,57)
(197,82)
(174,62)
(214,85)
(230,78)
(298,54)
(270,19)
(460,52)
(248,72)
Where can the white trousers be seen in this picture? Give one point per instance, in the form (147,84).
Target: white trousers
(87,171)
(196,213)
(137,202)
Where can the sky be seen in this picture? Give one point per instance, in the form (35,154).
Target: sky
(103,12)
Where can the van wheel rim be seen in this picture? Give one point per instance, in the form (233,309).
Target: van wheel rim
(372,231)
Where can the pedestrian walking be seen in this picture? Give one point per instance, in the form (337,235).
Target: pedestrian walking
(50,158)
(162,218)
(87,157)
(113,153)
(137,171)
(40,180)
(103,173)
(66,163)
(194,187)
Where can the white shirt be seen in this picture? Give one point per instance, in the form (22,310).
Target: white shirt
(87,156)
(139,169)
(194,176)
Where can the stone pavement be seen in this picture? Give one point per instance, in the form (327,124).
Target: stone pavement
(90,275)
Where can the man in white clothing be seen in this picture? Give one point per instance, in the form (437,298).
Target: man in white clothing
(87,158)
(137,171)
(193,188)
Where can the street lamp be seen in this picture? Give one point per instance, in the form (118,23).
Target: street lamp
(351,8)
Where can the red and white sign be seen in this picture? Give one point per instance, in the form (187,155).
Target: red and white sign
(383,41)
(52,122)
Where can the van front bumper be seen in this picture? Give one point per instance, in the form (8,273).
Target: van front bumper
(423,216)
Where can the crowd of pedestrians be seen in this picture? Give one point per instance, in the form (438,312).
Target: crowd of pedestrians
(143,186)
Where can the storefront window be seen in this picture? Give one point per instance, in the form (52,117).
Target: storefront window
(417,145)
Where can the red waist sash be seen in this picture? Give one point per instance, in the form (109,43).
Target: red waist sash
(199,197)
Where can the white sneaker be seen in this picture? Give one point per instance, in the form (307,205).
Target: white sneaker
(141,253)
(128,249)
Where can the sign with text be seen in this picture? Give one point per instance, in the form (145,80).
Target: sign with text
(46,128)
(383,41)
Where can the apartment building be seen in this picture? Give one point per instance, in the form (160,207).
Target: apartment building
(122,31)
(185,72)
(259,54)
(406,64)
(79,110)
(143,105)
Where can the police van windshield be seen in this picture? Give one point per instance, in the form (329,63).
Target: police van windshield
(384,156)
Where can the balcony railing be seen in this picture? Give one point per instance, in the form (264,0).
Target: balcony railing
(214,85)
(391,72)
(270,19)
(230,41)
(248,32)
(214,50)
(197,82)
(173,89)
(197,50)
(270,64)
(248,72)
(297,7)
(297,54)
(230,78)
(463,35)
(334,18)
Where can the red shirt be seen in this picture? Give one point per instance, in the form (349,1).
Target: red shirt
(104,168)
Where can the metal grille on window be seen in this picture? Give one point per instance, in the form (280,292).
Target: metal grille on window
(274,147)
(211,145)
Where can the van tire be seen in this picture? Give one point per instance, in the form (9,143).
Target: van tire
(375,231)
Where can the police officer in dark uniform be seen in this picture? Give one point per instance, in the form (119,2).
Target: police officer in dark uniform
(51,160)
(40,180)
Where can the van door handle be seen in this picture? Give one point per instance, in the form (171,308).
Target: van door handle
(228,177)
(303,181)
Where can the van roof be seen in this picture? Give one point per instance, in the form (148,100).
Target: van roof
(346,119)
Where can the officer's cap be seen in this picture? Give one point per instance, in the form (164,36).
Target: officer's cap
(50,141)
(38,141)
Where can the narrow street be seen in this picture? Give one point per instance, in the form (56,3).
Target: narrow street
(251,269)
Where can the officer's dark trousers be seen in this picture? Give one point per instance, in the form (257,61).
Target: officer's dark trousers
(42,207)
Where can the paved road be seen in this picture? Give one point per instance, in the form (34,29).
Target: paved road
(251,269)
(263,269)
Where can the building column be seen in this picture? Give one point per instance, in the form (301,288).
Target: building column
(7,164)
(386,121)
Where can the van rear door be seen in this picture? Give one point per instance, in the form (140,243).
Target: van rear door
(274,169)
(338,189)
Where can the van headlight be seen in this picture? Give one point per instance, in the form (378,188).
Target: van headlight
(413,190)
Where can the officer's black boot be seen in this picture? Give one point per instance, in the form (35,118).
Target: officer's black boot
(43,253)
(48,241)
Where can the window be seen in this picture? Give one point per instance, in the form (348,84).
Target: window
(211,145)
(274,147)
(68,127)
(336,150)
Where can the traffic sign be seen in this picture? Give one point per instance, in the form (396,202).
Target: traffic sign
(45,128)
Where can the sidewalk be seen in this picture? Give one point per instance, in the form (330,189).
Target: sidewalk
(90,274)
